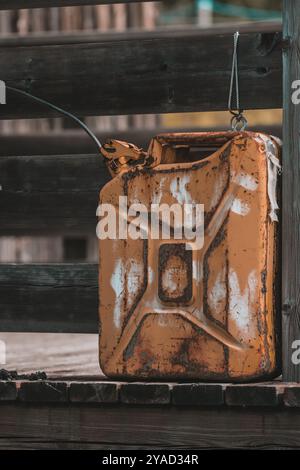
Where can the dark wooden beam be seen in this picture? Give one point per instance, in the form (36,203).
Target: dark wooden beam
(52,143)
(50,194)
(39,388)
(77,142)
(94,426)
(61,298)
(20,4)
(92,411)
(291,194)
(141,72)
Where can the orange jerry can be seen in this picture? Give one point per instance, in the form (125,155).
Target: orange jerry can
(174,310)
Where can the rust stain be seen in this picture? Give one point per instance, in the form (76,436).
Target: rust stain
(209,314)
(175,273)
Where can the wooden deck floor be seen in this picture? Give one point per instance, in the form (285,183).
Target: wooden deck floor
(67,355)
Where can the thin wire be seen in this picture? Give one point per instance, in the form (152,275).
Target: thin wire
(234,75)
(238,120)
(61,111)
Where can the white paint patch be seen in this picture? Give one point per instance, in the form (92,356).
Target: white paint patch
(277,140)
(245,181)
(218,190)
(125,280)
(273,168)
(168,281)
(134,200)
(117,282)
(239,207)
(197,271)
(134,277)
(179,191)
(218,292)
(150,275)
(158,192)
(240,303)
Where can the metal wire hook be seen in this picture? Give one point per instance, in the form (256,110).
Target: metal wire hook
(59,110)
(238,120)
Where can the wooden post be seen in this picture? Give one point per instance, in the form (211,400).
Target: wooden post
(291,194)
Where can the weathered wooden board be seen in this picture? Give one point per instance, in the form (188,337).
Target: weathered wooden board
(291,194)
(77,142)
(50,193)
(49,298)
(141,72)
(20,4)
(64,354)
(53,426)
(73,142)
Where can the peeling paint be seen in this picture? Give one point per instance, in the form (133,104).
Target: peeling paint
(117,282)
(218,190)
(218,292)
(274,168)
(134,278)
(179,191)
(158,191)
(197,271)
(241,302)
(150,275)
(168,281)
(125,285)
(239,207)
(246,181)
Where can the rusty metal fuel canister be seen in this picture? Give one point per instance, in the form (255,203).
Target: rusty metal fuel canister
(172,313)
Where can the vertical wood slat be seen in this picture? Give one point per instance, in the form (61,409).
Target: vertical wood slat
(291,193)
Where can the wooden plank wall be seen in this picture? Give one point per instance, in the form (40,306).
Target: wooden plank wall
(61,298)
(100,18)
(146,73)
